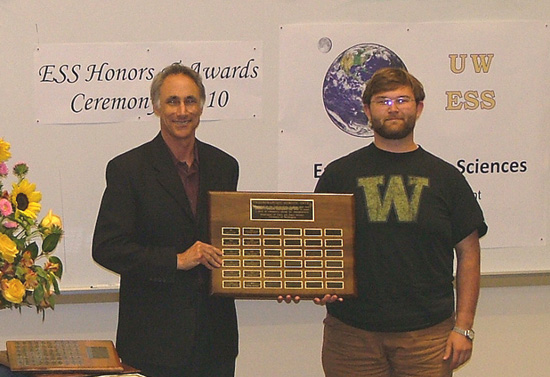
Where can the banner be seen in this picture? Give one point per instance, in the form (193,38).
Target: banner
(109,82)
(485,110)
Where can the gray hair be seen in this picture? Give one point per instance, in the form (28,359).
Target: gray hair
(175,69)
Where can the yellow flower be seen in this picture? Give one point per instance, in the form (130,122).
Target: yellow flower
(51,267)
(25,199)
(4,150)
(13,290)
(8,248)
(26,260)
(31,280)
(50,221)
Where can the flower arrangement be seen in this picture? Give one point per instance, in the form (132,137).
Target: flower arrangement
(24,240)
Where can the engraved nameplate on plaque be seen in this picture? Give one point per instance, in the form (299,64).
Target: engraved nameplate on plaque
(283,243)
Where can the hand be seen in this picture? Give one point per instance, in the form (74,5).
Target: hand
(327,299)
(200,253)
(458,350)
(288,299)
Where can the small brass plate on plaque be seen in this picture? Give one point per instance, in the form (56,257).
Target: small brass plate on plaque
(283,243)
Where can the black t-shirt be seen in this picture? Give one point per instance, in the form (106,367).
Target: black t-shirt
(411,210)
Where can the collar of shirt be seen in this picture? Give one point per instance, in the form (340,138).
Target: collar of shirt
(195,158)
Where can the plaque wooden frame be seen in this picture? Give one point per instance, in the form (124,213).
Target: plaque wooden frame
(63,356)
(283,244)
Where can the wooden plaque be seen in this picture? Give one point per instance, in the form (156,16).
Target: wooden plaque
(49,356)
(283,243)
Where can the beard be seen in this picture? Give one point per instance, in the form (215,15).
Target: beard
(388,130)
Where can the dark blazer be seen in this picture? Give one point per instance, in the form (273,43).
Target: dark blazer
(145,220)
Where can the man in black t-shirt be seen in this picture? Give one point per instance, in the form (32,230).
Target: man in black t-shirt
(413,211)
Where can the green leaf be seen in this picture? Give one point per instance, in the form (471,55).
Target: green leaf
(50,242)
(55,284)
(20,272)
(51,301)
(40,272)
(38,294)
(20,243)
(33,248)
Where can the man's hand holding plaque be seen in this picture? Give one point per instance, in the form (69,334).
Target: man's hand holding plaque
(326,299)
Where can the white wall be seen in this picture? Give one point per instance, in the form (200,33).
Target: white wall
(276,340)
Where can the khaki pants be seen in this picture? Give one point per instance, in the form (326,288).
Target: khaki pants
(352,352)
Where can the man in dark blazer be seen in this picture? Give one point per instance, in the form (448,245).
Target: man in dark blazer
(152,229)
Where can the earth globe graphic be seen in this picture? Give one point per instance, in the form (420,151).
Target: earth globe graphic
(344,82)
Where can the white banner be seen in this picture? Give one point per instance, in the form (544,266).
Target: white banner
(485,111)
(109,82)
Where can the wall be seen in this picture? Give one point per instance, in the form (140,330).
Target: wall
(513,336)
(276,340)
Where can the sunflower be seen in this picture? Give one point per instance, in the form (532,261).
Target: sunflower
(25,199)
(4,150)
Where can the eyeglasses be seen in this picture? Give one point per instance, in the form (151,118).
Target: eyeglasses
(389,102)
